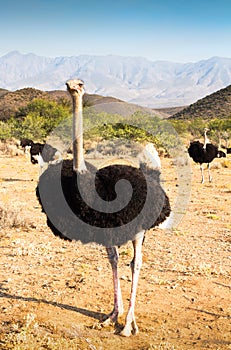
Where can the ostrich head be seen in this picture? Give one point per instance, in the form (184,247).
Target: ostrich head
(75,87)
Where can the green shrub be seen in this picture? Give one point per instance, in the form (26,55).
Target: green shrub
(35,121)
(5,131)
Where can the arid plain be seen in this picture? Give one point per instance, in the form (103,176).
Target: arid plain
(54,293)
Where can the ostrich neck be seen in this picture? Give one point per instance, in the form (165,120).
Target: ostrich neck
(78,159)
(206,139)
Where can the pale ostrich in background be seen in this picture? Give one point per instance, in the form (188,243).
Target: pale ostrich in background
(105,180)
(204,153)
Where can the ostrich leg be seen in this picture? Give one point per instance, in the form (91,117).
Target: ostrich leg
(130,324)
(118,303)
(210,176)
(202,174)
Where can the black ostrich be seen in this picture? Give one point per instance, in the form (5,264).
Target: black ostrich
(43,154)
(204,153)
(26,144)
(108,206)
(40,153)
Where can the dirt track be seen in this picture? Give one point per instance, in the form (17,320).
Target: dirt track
(53,293)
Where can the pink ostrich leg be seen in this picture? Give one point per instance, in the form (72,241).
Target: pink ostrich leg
(130,325)
(118,303)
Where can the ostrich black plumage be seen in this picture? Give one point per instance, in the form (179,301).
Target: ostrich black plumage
(77,211)
(204,153)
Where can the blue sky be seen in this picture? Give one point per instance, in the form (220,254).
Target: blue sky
(172,30)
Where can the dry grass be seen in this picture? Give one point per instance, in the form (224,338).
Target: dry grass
(226,163)
(108,148)
(12,216)
(11,148)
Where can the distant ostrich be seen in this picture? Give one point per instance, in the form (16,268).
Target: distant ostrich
(204,153)
(26,144)
(44,154)
(40,153)
(110,228)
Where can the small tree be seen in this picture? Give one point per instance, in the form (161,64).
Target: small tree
(38,119)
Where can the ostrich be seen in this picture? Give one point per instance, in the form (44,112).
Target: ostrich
(97,221)
(44,154)
(26,144)
(40,153)
(204,153)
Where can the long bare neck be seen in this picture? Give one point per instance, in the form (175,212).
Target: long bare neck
(78,159)
(206,139)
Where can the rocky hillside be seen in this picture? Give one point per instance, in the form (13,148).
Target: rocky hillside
(3,91)
(10,101)
(216,105)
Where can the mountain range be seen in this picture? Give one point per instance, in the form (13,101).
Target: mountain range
(154,84)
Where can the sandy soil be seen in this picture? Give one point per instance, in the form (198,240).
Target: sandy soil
(54,293)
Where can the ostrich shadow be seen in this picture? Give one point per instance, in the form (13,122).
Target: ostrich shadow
(89,313)
(97,315)
(102,318)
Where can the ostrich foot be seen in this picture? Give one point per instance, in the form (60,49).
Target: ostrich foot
(106,321)
(110,318)
(130,328)
(113,316)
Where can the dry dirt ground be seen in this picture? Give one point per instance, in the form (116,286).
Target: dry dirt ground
(54,293)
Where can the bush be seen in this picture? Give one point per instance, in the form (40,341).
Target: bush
(35,121)
(5,130)
(218,127)
(11,217)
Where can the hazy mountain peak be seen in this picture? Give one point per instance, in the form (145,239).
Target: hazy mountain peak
(133,79)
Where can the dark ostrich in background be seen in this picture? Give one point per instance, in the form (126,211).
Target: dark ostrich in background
(41,153)
(44,154)
(78,219)
(204,153)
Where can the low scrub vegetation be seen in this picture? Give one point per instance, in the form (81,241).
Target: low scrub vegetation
(220,129)
(11,217)
(35,121)
(42,117)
